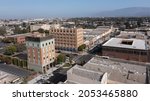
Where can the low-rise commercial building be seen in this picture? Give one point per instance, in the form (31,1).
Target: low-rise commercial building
(100,70)
(132,34)
(92,36)
(19,38)
(128,49)
(78,75)
(39,26)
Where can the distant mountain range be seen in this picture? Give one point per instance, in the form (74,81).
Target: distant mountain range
(126,12)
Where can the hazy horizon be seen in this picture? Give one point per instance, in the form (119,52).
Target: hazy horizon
(11,9)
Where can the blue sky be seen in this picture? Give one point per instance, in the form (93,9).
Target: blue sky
(62,8)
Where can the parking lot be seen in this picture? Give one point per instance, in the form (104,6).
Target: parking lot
(14,70)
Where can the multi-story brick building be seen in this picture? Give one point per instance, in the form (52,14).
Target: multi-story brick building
(128,49)
(67,39)
(41,53)
(19,38)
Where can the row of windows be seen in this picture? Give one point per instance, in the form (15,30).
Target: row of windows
(47,51)
(47,58)
(39,57)
(65,42)
(66,49)
(64,38)
(47,44)
(65,34)
(37,45)
(125,51)
(61,30)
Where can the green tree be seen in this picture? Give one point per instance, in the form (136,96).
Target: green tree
(2,30)
(20,47)
(10,50)
(41,30)
(82,47)
(17,30)
(46,31)
(7,60)
(15,61)
(21,64)
(61,58)
(8,40)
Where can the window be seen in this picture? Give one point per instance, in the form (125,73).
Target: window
(43,45)
(49,43)
(46,44)
(37,45)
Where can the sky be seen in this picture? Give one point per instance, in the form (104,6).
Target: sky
(62,8)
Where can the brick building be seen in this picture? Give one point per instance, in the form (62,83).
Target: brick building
(128,49)
(67,39)
(41,53)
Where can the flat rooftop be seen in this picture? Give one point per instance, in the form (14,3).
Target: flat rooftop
(79,75)
(126,43)
(87,73)
(18,35)
(7,77)
(119,71)
(38,39)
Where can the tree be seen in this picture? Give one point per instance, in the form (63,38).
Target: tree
(82,47)
(17,30)
(46,31)
(20,47)
(7,60)
(8,40)
(2,30)
(41,30)
(61,58)
(10,50)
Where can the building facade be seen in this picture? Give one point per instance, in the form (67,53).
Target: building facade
(67,39)
(41,53)
(19,38)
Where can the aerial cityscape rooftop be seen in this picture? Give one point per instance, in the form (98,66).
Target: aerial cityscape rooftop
(126,43)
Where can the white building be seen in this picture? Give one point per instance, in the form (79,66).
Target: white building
(79,75)
(39,26)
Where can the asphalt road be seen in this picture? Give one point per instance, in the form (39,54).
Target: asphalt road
(14,70)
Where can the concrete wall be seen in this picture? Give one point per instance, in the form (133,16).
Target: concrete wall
(35,67)
(104,79)
(80,80)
